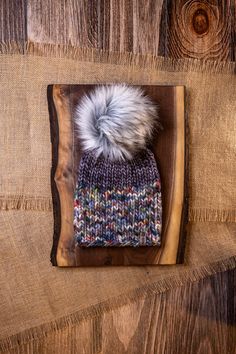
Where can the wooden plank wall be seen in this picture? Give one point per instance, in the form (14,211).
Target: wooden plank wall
(117,25)
(13,21)
(195,318)
(178,29)
(196,29)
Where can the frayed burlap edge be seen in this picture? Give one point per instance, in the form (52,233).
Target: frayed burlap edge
(38,333)
(27,203)
(198,215)
(127,59)
(120,58)
(21,202)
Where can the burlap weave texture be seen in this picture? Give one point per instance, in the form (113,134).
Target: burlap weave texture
(33,297)
(37,298)
(26,154)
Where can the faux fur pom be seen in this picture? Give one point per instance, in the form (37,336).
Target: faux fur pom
(115,120)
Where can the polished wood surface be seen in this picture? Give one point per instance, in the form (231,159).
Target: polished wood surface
(169,150)
(64,179)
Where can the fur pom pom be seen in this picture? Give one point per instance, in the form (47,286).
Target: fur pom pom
(115,120)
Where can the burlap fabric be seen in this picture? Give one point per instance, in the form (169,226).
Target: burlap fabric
(36,298)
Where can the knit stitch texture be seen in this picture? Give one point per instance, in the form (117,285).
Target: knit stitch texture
(118,203)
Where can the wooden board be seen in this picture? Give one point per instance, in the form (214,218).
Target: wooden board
(13,21)
(114,25)
(198,29)
(202,314)
(170,153)
(177,29)
(199,317)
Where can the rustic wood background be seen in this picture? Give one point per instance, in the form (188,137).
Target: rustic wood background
(195,318)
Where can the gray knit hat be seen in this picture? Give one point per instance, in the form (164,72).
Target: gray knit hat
(117,200)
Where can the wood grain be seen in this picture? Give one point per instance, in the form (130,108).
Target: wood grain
(115,25)
(198,29)
(169,150)
(190,319)
(13,19)
(64,180)
(204,313)
(196,318)
(202,29)
(62,22)
(171,242)
(145,26)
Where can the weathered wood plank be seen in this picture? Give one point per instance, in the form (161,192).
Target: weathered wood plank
(204,313)
(179,29)
(60,22)
(196,318)
(146,26)
(115,25)
(198,29)
(13,21)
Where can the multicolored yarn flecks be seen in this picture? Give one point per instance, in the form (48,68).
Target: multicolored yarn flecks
(118,203)
(128,217)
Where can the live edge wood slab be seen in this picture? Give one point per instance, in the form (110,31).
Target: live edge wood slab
(170,150)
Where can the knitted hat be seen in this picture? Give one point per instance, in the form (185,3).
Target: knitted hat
(117,200)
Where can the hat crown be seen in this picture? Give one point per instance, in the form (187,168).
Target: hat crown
(104,173)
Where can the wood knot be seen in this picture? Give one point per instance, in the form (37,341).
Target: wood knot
(200,21)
